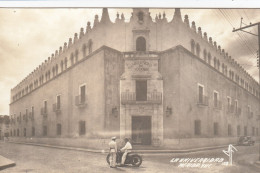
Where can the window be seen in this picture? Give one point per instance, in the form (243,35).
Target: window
(58,102)
(140,44)
(238,130)
(61,65)
(229,130)
(245,131)
(56,69)
(192,43)
(215,98)
(83,94)
(197,129)
(253,131)
(44,130)
(236,106)
(209,58)
(205,55)
(18,133)
(45,107)
(141,90)
(33,131)
(76,55)
(228,102)
(215,129)
(58,129)
(66,63)
(14,132)
(257,132)
(71,59)
(201,93)
(198,50)
(84,48)
(90,44)
(24,132)
(32,112)
(141,16)
(82,128)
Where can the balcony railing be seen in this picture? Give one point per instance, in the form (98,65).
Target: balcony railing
(152,98)
(218,104)
(238,111)
(203,100)
(80,101)
(250,115)
(56,108)
(44,112)
(230,109)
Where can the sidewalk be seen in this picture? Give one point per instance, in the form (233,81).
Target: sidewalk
(141,151)
(5,163)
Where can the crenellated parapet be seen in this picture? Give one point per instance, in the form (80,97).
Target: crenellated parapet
(122,35)
(201,39)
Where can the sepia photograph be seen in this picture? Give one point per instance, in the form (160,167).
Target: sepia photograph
(99,86)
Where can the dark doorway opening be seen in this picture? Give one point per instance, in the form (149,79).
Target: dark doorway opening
(141,90)
(141,130)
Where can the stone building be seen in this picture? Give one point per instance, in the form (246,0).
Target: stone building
(4,126)
(158,82)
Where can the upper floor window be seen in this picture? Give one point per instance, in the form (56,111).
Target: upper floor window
(141,90)
(209,58)
(192,43)
(198,50)
(76,55)
(141,16)
(140,44)
(205,55)
(72,59)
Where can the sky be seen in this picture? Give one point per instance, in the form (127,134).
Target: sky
(30,35)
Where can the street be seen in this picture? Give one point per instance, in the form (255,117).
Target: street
(38,159)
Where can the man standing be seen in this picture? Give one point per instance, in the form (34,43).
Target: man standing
(112,151)
(126,149)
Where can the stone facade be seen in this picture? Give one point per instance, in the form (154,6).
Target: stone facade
(158,82)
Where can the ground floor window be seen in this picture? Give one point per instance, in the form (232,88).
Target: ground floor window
(238,130)
(229,130)
(18,132)
(82,128)
(215,128)
(58,129)
(245,131)
(33,131)
(197,127)
(44,130)
(24,132)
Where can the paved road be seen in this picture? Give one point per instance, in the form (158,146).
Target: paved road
(42,159)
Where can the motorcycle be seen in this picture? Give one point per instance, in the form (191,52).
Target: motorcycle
(131,158)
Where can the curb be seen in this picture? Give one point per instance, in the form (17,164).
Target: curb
(5,163)
(165,151)
(7,166)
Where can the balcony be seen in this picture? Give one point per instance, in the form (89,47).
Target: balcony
(230,109)
(152,98)
(80,101)
(44,112)
(250,115)
(238,111)
(56,108)
(218,104)
(203,100)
